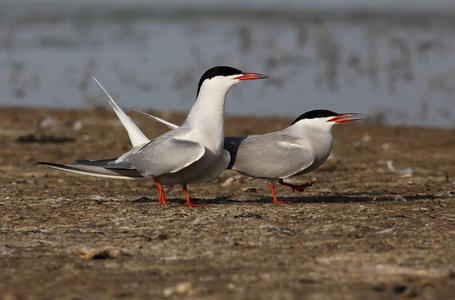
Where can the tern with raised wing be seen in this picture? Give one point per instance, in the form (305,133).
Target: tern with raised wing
(191,153)
(298,149)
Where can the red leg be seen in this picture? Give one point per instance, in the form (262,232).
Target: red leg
(160,189)
(299,188)
(275,200)
(188,202)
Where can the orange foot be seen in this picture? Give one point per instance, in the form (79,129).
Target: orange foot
(282,202)
(162,197)
(275,200)
(188,202)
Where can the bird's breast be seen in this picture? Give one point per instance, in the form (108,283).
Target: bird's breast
(211,139)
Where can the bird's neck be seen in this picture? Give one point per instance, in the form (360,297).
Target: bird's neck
(206,117)
(317,136)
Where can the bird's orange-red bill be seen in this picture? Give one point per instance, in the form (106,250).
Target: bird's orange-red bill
(348,117)
(251,76)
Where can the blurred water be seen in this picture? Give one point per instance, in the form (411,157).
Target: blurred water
(392,63)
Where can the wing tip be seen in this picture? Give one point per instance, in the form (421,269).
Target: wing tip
(90,171)
(48,163)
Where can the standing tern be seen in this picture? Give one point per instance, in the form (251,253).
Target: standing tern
(298,149)
(191,153)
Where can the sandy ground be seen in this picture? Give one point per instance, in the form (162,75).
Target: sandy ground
(364,230)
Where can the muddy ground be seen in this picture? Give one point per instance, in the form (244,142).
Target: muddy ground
(364,230)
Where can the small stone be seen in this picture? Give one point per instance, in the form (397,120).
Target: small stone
(78,125)
(385,231)
(167,292)
(183,288)
(228,182)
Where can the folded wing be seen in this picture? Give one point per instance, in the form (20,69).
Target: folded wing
(164,155)
(271,155)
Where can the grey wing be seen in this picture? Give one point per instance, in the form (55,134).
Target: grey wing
(162,156)
(273,155)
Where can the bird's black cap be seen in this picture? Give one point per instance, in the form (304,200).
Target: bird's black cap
(217,71)
(313,114)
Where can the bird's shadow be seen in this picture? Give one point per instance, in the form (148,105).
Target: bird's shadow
(345,198)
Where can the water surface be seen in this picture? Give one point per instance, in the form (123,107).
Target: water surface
(394,65)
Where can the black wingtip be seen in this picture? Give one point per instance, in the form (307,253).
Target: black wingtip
(101,162)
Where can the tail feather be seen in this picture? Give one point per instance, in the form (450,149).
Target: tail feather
(130,174)
(167,123)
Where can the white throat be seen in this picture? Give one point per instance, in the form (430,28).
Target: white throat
(207,116)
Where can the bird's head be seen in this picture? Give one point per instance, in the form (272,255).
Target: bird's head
(222,78)
(325,118)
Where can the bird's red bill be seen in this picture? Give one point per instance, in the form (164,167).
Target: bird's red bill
(251,76)
(346,118)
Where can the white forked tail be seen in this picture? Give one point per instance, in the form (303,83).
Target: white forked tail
(135,134)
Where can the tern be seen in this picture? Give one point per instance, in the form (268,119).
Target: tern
(298,149)
(191,153)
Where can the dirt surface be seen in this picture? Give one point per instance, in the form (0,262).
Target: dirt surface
(364,230)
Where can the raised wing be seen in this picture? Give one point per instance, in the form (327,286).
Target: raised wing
(135,134)
(273,155)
